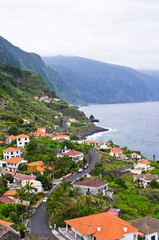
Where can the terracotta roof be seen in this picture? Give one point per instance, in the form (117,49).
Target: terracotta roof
(10,193)
(89,141)
(6,223)
(11,149)
(62,136)
(37,163)
(147,225)
(115,150)
(144,161)
(72,153)
(14,160)
(61,139)
(123,155)
(100,142)
(42,168)
(112,227)
(1,142)
(134,154)
(11,137)
(6,199)
(22,136)
(91,183)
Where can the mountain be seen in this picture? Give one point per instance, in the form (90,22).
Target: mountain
(17,91)
(153,73)
(33,62)
(98,82)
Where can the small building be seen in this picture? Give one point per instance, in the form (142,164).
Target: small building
(90,142)
(57,137)
(22,140)
(7,232)
(135,156)
(19,176)
(102,226)
(10,193)
(116,152)
(25,121)
(35,184)
(10,139)
(148,226)
(114,211)
(42,129)
(143,164)
(144,179)
(91,186)
(31,167)
(13,163)
(73,154)
(11,152)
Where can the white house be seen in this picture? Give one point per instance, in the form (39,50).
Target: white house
(143,164)
(91,186)
(135,156)
(103,145)
(11,152)
(102,226)
(73,154)
(10,139)
(22,140)
(148,226)
(144,179)
(116,152)
(35,184)
(25,121)
(13,163)
(57,137)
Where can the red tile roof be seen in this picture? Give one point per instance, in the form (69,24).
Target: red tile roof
(37,163)
(11,137)
(10,193)
(115,150)
(6,199)
(6,223)
(72,153)
(112,227)
(14,160)
(1,142)
(144,161)
(22,136)
(11,149)
(21,176)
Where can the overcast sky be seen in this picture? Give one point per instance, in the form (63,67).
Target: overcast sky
(124,32)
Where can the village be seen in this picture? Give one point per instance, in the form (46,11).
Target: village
(33,165)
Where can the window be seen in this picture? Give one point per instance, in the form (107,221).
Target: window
(26,139)
(153,238)
(18,139)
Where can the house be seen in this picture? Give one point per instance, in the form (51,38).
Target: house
(42,129)
(73,154)
(90,142)
(22,140)
(144,179)
(91,186)
(19,176)
(103,145)
(56,138)
(142,165)
(35,184)
(36,97)
(38,134)
(25,121)
(13,163)
(114,211)
(148,226)
(31,167)
(135,156)
(10,193)
(102,226)
(116,152)
(6,199)
(10,139)
(11,152)
(7,232)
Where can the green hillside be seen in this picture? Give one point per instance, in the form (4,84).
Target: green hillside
(17,90)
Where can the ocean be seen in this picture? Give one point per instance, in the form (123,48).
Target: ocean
(135,125)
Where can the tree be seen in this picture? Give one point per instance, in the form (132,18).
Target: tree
(154,184)
(21,194)
(121,182)
(13,130)
(13,216)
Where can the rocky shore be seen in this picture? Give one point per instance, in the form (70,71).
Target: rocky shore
(91,131)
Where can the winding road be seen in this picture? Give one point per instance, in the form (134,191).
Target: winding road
(39,220)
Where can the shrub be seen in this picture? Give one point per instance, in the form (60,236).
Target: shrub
(13,216)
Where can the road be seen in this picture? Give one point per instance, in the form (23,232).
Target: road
(39,220)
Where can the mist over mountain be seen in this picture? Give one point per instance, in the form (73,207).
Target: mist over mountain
(98,82)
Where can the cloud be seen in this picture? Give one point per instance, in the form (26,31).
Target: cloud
(118,31)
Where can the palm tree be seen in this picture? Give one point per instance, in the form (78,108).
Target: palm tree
(29,187)
(53,206)
(21,194)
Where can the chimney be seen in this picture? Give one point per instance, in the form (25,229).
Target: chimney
(125,229)
(99,228)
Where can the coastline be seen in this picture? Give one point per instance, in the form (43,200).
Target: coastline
(92,131)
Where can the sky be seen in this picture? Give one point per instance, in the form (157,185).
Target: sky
(123,32)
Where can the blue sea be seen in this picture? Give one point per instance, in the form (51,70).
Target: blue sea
(135,125)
